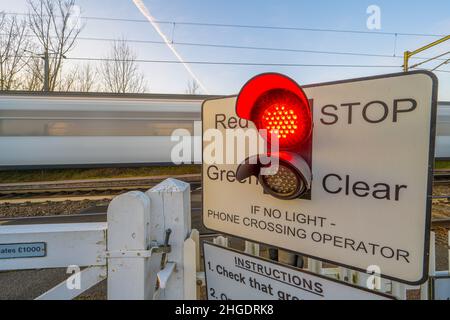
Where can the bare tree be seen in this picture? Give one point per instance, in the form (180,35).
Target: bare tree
(192,87)
(54,24)
(79,79)
(86,79)
(68,80)
(120,71)
(14,45)
(33,77)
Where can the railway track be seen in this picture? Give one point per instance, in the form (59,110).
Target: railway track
(441,177)
(443,223)
(101,217)
(93,189)
(78,193)
(196,216)
(88,189)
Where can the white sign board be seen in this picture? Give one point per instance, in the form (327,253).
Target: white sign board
(231,275)
(372,160)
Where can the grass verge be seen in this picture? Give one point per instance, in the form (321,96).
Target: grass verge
(442,165)
(97,173)
(103,173)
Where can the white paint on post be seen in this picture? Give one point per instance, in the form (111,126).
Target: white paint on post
(195,236)
(128,231)
(252,248)
(315,266)
(424,291)
(81,244)
(398,290)
(432,265)
(190,270)
(345,274)
(331,272)
(89,277)
(362,279)
(171,209)
(385,285)
(221,241)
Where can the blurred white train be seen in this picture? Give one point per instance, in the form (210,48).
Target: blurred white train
(443,131)
(88,130)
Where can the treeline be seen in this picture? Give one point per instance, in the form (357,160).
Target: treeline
(34,49)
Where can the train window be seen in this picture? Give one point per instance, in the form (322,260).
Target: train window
(92,127)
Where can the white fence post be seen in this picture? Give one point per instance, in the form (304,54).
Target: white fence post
(171,209)
(399,290)
(195,236)
(362,279)
(251,248)
(128,231)
(345,274)
(432,267)
(190,268)
(221,241)
(315,266)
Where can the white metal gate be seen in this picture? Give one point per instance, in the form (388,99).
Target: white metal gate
(146,249)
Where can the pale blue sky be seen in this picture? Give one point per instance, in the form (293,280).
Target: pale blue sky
(425,17)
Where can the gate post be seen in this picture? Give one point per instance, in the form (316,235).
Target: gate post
(171,209)
(130,274)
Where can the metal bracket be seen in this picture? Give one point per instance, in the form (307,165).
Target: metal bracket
(164,249)
(165,274)
(164,254)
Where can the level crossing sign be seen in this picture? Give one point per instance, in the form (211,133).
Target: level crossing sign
(344,174)
(237,276)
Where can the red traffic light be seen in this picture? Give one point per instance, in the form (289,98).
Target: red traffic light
(283,114)
(276,103)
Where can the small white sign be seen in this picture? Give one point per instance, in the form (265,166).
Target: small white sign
(231,275)
(22,250)
(372,160)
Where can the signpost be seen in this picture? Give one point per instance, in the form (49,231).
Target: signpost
(370,196)
(237,276)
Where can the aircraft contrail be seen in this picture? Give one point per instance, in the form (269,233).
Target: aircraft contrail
(143,9)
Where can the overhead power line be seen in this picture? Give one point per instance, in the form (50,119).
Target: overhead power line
(231,46)
(233,63)
(440,65)
(431,59)
(270,27)
(240,47)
